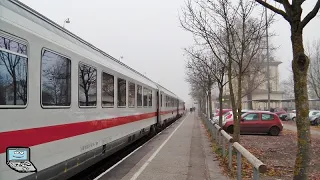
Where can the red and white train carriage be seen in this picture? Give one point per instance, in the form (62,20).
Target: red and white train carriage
(70,102)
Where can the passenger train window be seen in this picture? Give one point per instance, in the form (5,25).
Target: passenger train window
(150,98)
(145,97)
(55,79)
(132,94)
(107,90)
(122,92)
(87,85)
(139,96)
(161,101)
(13,72)
(166,101)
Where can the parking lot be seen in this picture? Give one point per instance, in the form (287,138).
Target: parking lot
(279,152)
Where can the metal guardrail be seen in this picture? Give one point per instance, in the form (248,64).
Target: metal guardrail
(218,134)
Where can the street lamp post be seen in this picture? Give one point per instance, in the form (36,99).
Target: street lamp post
(268,59)
(66,21)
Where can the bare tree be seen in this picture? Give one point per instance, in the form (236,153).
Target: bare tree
(200,75)
(256,75)
(314,73)
(88,77)
(233,36)
(216,69)
(15,66)
(2,91)
(292,13)
(287,87)
(56,79)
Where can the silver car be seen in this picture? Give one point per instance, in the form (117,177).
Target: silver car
(315,119)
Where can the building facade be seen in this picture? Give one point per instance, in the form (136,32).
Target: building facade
(255,89)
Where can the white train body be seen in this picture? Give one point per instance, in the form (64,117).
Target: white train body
(67,133)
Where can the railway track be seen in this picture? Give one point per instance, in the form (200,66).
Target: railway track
(95,170)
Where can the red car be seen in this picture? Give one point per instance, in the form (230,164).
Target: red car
(257,122)
(224,111)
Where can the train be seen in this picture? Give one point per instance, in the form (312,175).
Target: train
(66,102)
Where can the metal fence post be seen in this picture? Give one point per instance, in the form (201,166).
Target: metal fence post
(255,174)
(213,131)
(224,147)
(219,134)
(239,165)
(216,135)
(230,155)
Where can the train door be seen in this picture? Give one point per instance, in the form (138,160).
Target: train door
(177,102)
(158,108)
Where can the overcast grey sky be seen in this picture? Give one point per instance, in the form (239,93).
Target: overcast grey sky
(148,34)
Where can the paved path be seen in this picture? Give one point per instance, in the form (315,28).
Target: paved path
(181,152)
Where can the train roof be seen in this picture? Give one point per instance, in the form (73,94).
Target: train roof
(165,90)
(61,36)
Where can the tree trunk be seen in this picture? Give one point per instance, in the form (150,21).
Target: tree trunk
(236,123)
(14,81)
(210,98)
(249,98)
(87,98)
(210,104)
(220,105)
(300,66)
(233,104)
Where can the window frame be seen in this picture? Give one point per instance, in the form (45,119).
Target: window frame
(135,92)
(150,96)
(167,101)
(147,93)
(55,107)
(252,119)
(78,84)
(141,96)
(26,43)
(117,82)
(267,119)
(113,89)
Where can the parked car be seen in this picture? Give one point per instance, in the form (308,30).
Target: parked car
(283,117)
(278,111)
(216,118)
(315,119)
(313,112)
(223,111)
(257,122)
(216,115)
(228,115)
(292,115)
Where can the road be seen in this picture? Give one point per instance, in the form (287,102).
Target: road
(294,128)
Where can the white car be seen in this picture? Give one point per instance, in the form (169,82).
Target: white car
(229,115)
(292,115)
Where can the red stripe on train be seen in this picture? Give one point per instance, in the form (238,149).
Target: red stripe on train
(41,135)
(36,136)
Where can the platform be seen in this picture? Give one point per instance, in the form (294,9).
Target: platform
(180,152)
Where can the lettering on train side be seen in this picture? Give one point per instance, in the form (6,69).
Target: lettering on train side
(89,146)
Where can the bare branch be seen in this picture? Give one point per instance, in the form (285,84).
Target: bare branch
(276,10)
(310,15)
